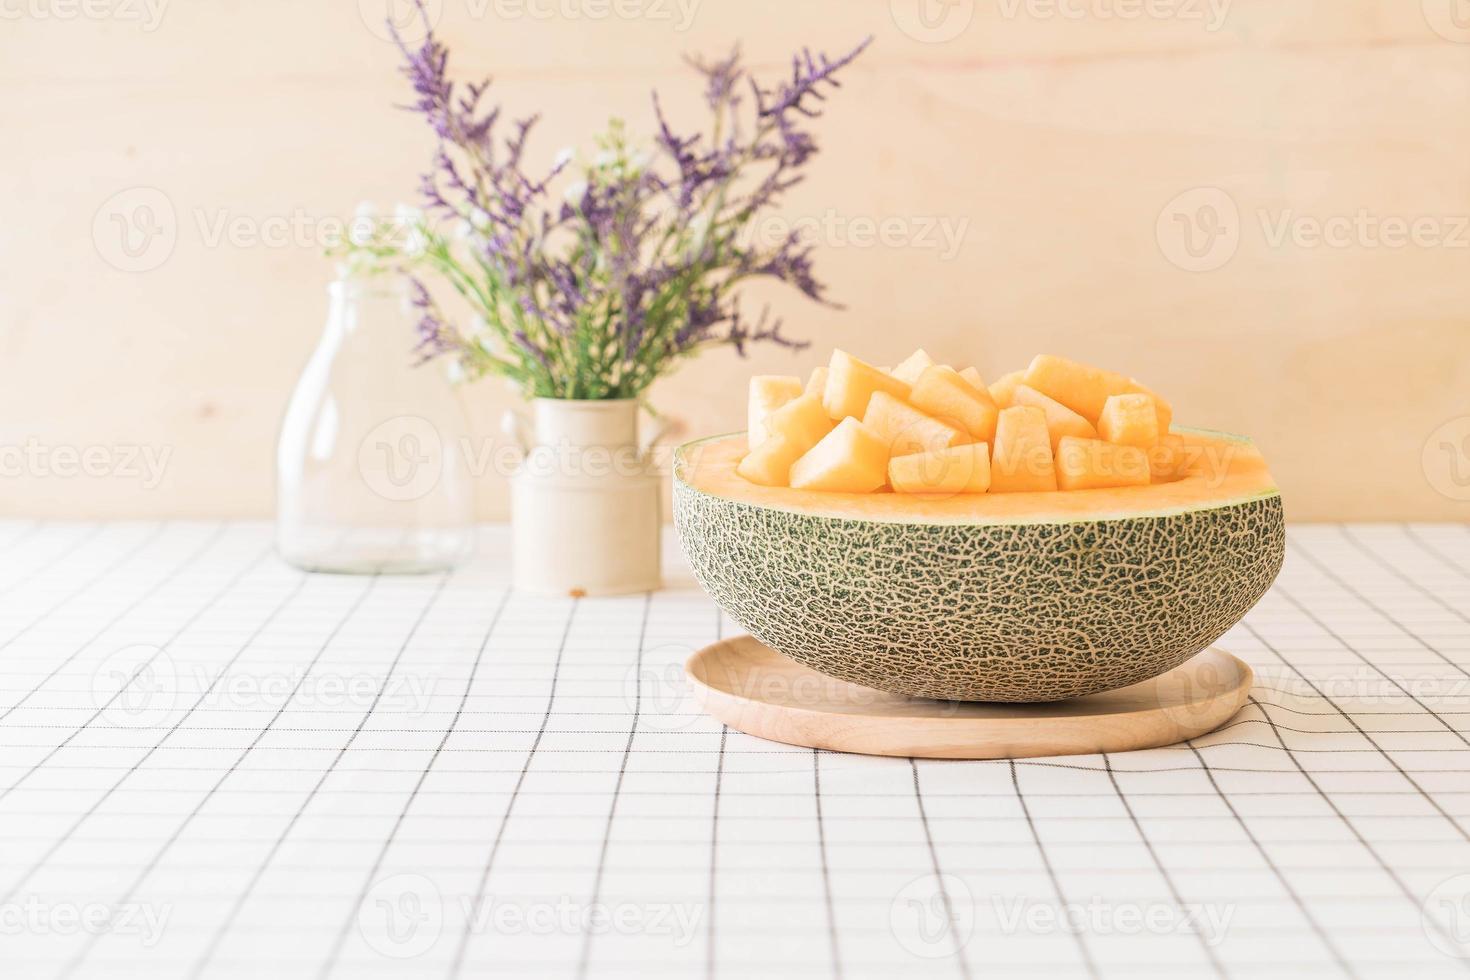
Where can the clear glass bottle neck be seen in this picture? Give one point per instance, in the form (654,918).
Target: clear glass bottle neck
(369,307)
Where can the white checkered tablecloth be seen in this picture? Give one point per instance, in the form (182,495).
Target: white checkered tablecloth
(213,765)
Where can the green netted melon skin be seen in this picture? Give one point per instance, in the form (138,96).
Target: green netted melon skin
(1012,612)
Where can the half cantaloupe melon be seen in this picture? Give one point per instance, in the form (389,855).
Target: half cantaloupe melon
(986,596)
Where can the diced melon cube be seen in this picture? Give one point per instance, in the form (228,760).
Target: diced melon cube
(802,420)
(769,464)
(944,394)
(1084,389)
(1060,420)
(1021,460)
(1005,385)
(1092,464)
(818,381)
(1169,459)
(973,376)
(851,382)
(768,392)
(958,469)
(910,368)
(849,459)
(905,430)
(1129,420)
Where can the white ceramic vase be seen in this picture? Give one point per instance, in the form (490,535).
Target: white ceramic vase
(585,502)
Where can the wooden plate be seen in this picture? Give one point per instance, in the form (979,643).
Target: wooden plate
(750,687)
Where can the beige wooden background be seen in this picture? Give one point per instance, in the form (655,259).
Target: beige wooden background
(1257,206)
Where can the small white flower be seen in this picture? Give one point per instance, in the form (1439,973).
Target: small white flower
(416,243)
(456,372)
(642,160)
(362,229)
(408,216)
(564,156)
(366,209)
(575,191)
(463,230)
(480,218)
(605,159)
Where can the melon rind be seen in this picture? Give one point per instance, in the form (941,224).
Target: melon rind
(983,611)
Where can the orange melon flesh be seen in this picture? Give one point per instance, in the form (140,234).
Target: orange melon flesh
(1129,420)
(851,383)
(1002,391)
(904,429)
(1085,389)
(1060,420)
(768,392)
(817,383)
(1220,471)
(944,394)
(974,378)
(911,367)
(802,420)
(1092,464)
(1169,459)
(769,464)
(1022,461)
(849,459)
(958,469)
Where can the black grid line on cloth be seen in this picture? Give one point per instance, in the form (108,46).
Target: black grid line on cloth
(714,829)
(131,607)
(1414,899)
(461,948)
(1430,549)
(44,761)
(1153,856)
(244,896)
(341,938)
(1051,872)
(961,959)
(584,959)
(826,869)
(60,556)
